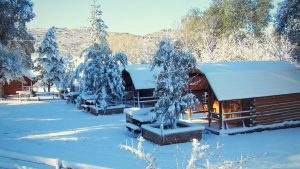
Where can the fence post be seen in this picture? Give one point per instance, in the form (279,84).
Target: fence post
(58,164)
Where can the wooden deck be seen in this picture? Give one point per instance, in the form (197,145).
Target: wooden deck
(95,111)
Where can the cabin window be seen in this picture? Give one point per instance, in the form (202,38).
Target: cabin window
(232,106)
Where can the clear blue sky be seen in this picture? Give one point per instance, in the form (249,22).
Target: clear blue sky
(131,16)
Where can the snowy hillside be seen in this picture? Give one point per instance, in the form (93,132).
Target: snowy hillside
(74,40)
(56,129)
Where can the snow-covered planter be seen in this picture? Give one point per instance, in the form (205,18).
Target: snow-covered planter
(184,132)
(136,117)
(109,110)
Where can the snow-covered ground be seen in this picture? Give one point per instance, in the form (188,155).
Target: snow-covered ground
(58,130)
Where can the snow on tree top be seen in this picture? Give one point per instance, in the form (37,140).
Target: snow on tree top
(31,73)
(141,76)
(239,80)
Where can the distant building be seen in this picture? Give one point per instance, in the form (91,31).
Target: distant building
(139,84)
(14,86)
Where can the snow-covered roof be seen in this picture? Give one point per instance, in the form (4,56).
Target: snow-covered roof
(238,80)
(141,76)
(31,74)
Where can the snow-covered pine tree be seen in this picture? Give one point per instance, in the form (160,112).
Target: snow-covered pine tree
(11,67)
(287,23)
(70,73)
(49,63)
(172,81)
(102,76)
(16,44)
(101,73)
(98,27)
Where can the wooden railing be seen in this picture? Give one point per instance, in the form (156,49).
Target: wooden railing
(141,100)
(241,116)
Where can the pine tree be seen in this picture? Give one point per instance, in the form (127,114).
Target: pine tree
(101,73)
(98,27)
(70,73)
(172,81)
(49,63)
(102,76)
(16,44)
(287,22)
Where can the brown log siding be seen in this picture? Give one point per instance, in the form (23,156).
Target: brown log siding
(12,87)
(276,109)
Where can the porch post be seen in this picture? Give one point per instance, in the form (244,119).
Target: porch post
(133,98)
(210,105)
(138,97)
(221,114)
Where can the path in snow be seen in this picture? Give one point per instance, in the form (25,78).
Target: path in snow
(58,130)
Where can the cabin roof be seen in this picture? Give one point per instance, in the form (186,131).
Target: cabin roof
(30,74)
(251,79)
(141,76)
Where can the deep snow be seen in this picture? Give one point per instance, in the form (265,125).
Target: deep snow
(58,130)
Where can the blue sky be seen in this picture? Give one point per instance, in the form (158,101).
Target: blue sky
(130,16)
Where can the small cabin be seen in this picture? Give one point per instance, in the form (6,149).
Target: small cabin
(14,86)
(139,85)
(248,94)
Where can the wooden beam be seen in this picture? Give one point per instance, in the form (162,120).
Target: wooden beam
(138,97)
(210,104)
(221,114)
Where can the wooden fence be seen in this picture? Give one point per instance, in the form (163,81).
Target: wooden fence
(138,101)
(50,162)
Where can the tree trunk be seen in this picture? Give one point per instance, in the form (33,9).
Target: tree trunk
(49,87)
(1,90)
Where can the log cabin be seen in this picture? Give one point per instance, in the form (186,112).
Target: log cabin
(14,86)
(139,85)
(248,94)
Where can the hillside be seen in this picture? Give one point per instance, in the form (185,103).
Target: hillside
(74,40)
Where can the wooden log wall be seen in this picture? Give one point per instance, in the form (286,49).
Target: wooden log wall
(248,104)
(276,109)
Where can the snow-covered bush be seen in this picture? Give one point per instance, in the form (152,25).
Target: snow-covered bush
(171,81)
(202,156)
(209,157)
(49,64)
(151,164)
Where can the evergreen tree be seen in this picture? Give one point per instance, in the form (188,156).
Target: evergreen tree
(102,76)
(101,73)
(11,67)
(172,81)
(49,63)
(98,27)
(16,44)
(287,22)
(70,73)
